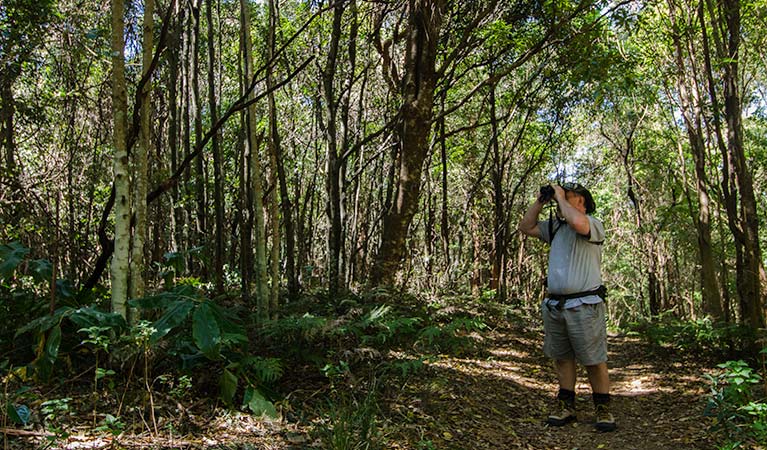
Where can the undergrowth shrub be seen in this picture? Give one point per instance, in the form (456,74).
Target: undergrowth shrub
(738,404)
(700,337)
(351,417)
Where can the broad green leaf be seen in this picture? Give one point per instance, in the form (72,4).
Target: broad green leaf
(174,316)
(42,269)
(53,343)
(13,414)
(228,385)
(206,332)
(11,255)
(256,402)
(89,316)
(44,323)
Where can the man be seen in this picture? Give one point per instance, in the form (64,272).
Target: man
(574,309)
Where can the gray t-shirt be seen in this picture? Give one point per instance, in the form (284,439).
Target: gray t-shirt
(574,260)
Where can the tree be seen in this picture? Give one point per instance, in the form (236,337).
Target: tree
(121,257)
(422,34)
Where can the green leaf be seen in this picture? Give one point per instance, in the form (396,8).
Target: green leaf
(44,323)
(88,317)
(53,343)
(256,402)
(206,332)
(228,385)
(101,373)
(42,269)
(11,255)
(173,317)
(13,414)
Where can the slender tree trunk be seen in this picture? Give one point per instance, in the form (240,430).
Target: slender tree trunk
(419,81)
(277,178)
(7,111)
(737,183)
(260,266)
(201,235)
(333,180)
(218,196)
(141,169)
(175,48)
(294,286)
(749,279)
(186,192)
(444,217)
(121,255)
(691,111)
(499,216)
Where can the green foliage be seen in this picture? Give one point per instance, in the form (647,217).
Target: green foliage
(257,403)
(112,425)
(696,337)
(450,337)
(199,330)
(102,328)
(211,329)
(739,413)
(351,422)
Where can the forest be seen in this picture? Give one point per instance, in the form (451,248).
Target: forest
(289,224)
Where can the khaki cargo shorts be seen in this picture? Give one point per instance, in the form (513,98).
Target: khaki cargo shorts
(578,333)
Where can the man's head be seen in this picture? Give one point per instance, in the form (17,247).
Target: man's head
(579,191)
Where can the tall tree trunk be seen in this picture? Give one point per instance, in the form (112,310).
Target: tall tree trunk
(121,255)
(7,110)
(691,111)
(201,235)
(218,196)
(444,216)
(737,183)
(417,92)
(749,279)
(286,205)
(333,180)
(140,161)
(174,130)
(499,216)
(260,266)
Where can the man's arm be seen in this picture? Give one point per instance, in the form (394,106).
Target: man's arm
(576,219)
(529,223)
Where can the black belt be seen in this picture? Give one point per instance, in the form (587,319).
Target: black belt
(601,292)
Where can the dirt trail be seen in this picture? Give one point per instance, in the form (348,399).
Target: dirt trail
(494,398)
(499,400)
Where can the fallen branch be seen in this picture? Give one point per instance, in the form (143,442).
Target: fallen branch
(16,432)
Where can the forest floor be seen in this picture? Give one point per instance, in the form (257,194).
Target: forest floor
(494,397)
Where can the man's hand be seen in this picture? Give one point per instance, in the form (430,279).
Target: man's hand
(559,194)
(575,216)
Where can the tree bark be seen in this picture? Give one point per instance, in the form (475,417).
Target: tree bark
(737,183)
(692,114)
(259,241)
(141,169)
(121,256)
(218,196)
(417,92)
(749,278)
(333,180)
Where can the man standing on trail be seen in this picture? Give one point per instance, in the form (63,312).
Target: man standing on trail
(574,309)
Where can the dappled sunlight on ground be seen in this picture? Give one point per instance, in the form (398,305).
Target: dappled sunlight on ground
(495,396)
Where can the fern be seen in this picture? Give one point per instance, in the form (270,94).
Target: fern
(266,370)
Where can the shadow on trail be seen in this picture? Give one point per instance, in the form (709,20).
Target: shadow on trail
(500,399)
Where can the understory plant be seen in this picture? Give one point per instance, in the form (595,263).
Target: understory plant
(738,405)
